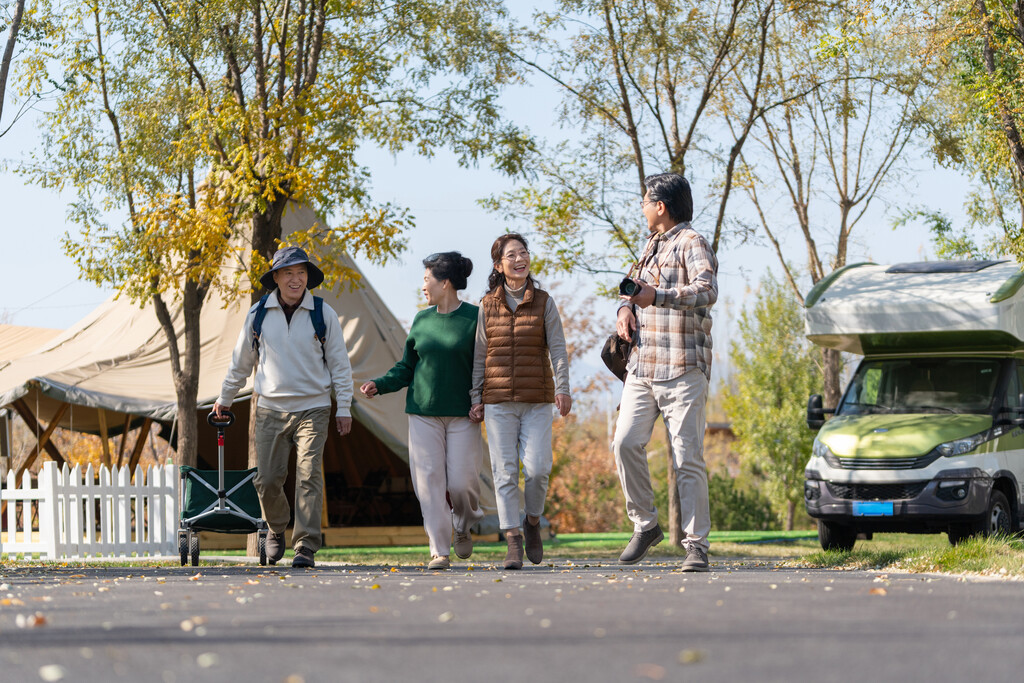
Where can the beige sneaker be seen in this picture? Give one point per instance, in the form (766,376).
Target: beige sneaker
(514,557)
(439,562)
(463,545)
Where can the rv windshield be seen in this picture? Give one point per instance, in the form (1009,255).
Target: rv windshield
(922,385)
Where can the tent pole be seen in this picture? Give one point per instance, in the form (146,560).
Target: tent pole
(140,443)
(44,439)
(104,436)
(124,438)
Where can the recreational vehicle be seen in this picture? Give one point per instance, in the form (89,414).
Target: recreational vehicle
(928,436)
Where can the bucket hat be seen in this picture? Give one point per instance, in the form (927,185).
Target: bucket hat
(292,256)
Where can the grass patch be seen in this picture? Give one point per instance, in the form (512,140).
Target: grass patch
(997,556)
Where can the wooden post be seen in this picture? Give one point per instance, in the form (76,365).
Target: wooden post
(44,438)
(104,436)
(140,443)
(124,439)
(30,422)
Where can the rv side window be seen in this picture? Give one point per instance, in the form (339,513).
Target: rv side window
(922,385)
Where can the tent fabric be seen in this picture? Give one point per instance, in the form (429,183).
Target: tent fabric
(872,307)
(17,340)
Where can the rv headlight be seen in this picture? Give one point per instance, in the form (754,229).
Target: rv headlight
(960,446)
(820,450)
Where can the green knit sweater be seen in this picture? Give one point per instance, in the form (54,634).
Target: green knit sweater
(438,363)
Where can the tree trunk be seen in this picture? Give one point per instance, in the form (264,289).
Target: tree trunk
(675,525)
(790,514)
(832,364)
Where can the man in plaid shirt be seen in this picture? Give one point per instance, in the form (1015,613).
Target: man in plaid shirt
(668,370)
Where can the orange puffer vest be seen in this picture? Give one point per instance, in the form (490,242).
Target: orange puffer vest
(517,367)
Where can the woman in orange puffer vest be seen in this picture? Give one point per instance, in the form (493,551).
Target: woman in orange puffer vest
(521,367)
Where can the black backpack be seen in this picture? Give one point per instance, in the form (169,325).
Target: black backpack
(319,324)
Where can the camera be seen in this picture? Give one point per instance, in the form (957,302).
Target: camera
(628,286)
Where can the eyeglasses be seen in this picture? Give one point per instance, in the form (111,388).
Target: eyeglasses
(645,202)
(524,254)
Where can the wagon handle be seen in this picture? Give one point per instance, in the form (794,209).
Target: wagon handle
(226,420)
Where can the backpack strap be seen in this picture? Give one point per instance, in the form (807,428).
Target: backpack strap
(319,324)
(257,322)
(317,317)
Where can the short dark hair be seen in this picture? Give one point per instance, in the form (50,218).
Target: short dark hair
(451,266)
(674,191)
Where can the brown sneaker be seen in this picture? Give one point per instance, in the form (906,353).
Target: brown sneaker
(534,544)
(514,557)
(275,548)
(303,558)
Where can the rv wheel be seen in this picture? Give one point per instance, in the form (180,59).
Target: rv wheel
(834,536)
(997,522)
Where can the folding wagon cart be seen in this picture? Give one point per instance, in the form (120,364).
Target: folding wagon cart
(215,500)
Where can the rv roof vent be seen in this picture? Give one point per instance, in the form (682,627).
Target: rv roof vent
(942,266)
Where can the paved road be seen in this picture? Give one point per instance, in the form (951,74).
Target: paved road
(744,621)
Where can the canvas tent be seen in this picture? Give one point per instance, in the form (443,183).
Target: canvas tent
(929,305)
(111,372)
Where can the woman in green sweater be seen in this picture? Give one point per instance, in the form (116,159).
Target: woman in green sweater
(445,446)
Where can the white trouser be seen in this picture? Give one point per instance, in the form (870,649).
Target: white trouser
(444,453)
(519,432)
(681,402)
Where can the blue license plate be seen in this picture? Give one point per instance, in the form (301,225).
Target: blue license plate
(872,508)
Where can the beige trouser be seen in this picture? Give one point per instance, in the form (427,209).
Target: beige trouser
(444,457)
(275,434)
(681,402)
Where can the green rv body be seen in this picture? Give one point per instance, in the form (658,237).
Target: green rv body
(928,436)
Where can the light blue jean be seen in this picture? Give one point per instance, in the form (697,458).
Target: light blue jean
(519,433)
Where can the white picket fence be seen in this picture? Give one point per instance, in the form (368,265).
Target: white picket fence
(69,515)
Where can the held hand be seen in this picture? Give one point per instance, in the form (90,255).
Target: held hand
(476,413)
(564,404)
(344,424)
(218,410)
(643,298)
(369,389)
(625,324)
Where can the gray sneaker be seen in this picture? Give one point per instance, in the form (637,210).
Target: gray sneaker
(696,560)
(640,544)
(463,545)
(275,548)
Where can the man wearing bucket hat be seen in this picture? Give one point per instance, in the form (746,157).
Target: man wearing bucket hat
(296,370)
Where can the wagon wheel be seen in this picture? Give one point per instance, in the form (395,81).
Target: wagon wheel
(183,547)
(193,548)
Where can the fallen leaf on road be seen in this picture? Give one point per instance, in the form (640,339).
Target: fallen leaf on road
(690,656)
(446,617)
(651,671)
(878,591)
(52,672)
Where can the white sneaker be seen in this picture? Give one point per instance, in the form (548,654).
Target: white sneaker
(439,562)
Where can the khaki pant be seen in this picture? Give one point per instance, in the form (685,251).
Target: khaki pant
(681,402)
(275,434)
(444,457)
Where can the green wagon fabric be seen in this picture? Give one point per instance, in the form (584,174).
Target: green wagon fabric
(198,498)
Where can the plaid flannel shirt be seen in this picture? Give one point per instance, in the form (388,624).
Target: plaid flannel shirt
(674,334)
